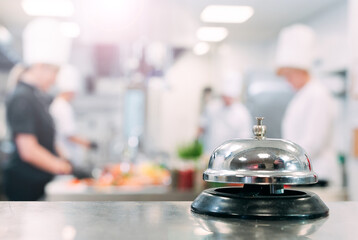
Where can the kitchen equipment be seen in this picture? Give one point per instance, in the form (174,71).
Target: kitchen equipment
(264,166)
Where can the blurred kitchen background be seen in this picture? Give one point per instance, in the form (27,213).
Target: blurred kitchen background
(144,65)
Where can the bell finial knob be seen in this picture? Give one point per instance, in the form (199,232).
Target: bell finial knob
(259,130)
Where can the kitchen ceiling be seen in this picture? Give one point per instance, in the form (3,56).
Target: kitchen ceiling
(171,21)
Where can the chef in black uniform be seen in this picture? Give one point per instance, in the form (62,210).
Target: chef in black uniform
(34,161)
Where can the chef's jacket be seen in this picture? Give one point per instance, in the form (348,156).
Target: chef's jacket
(222,123)
(27,113)
(309,121)
(63,115)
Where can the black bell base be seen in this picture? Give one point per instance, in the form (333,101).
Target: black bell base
(256,202)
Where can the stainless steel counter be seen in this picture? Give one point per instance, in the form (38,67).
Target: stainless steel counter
(160,220)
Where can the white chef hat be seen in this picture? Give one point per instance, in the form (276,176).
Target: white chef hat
(43,42)
(68,79)
(296,47)
(232,84)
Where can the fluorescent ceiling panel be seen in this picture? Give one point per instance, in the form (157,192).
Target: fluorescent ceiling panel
(226,14)
(201,48)
(211,34)
(49,8)
(5,35)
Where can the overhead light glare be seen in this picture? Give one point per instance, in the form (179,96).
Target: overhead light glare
(212,34)
(201,48)
(48,8)
(226,14)
(5,35)
(70,29)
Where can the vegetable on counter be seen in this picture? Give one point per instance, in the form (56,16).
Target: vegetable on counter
(191,151)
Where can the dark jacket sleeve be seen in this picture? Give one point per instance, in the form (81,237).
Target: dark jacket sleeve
(21,116)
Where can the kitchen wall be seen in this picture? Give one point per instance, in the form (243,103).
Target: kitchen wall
(176,108)
(173,111)
(331,32)
(353,99)
(331,29)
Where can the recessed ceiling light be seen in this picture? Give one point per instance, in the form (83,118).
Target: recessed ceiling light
(211,34)
(201,48)
(49,8)
(226,13)
(70,29)
(5,35)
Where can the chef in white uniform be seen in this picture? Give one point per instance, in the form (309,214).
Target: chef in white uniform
(67,139)
(310,116)
(225,118)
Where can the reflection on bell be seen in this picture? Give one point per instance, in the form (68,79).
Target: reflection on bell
(264,166)
(221,228)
